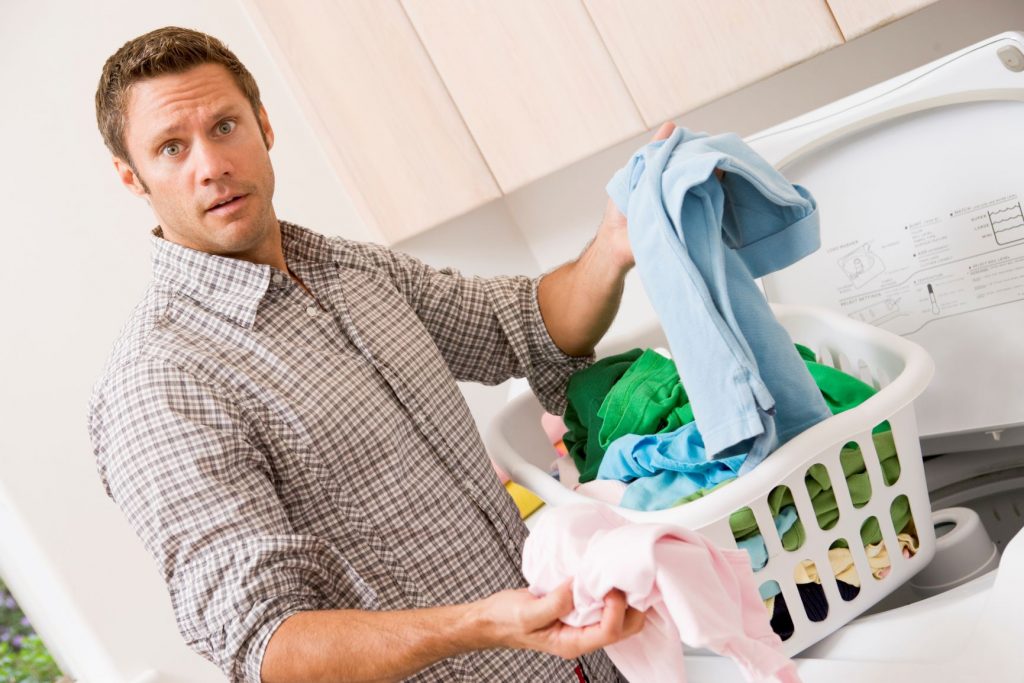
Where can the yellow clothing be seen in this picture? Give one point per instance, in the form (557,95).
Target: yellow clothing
(842,562)
(525,500)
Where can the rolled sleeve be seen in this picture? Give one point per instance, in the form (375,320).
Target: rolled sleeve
(556,365)
(176,455)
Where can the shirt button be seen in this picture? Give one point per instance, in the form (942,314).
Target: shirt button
(277,278)
(312,311)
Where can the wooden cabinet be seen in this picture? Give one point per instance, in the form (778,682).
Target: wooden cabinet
(857,17)
(396,140)
(431,108)
(676,56)
(532,79)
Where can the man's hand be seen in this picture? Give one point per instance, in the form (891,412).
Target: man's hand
(613,225)
(518,619)
(578,300)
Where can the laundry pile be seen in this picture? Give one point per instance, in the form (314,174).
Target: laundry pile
(627,447)
(650,429)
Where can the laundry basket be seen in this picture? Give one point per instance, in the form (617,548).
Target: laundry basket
(899,369)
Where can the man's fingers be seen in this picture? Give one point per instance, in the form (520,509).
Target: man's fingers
(664,131)
(633,622)
(613,615)
(611,628)
(548,609)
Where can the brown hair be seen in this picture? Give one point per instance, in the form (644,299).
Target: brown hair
(168,50)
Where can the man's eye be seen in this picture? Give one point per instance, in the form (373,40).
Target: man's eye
(226,127)
(172,150)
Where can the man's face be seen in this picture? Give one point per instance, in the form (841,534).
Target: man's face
(195,143)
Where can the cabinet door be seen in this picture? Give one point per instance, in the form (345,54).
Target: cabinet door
(370,90)
(677,55)
(857,17)
(535,85)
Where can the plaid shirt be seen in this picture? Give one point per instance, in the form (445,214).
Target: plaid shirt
(277,453)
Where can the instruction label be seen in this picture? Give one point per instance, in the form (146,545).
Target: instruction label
(966,259)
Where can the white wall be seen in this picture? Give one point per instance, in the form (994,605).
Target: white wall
(77,260)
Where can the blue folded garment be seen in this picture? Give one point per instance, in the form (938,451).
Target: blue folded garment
(666,467)
(699,243)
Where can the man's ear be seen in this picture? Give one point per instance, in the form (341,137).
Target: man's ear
(129,178)
(268,132)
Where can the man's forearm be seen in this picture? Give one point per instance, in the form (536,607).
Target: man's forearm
(357,645)
(579,300)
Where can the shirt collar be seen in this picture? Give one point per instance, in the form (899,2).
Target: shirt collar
(228,286)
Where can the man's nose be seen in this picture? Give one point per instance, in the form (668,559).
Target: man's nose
(212,162)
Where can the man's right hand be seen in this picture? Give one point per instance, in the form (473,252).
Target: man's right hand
(519,619)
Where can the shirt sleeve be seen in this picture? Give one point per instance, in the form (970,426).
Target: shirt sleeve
(487,329)
(176,455)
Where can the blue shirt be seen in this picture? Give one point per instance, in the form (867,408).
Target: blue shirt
(699,243)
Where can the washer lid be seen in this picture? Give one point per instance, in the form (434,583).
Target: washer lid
(920,185)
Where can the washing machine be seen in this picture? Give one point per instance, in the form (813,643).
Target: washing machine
(920,185)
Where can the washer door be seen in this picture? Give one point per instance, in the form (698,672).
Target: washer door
(920,186)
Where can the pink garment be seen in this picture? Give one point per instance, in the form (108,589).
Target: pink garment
(695,593)
(568,475)
(605,490)
(502,474)
(553,426)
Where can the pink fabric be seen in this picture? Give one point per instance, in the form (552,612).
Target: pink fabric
(695,593)
(553,426)
(568,475)
(502,474)
(605,490)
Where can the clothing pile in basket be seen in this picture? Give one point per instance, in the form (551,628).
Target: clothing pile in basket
(628,438)
(706,216)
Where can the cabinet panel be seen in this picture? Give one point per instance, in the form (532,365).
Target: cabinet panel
(532,79)
(857,17)
(676,56)
(370,90)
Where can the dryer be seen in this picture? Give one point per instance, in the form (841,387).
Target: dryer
(920,184)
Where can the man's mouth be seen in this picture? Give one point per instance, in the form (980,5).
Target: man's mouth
(227,203)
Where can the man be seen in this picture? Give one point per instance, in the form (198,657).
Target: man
(280,421)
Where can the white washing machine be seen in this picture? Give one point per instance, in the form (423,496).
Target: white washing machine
(920,184)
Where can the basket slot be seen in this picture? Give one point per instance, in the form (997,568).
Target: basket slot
(818,567)
(820,472)
(860,558)
(897,459)
(850,575)
(868,585)
(911,529)
(891,534)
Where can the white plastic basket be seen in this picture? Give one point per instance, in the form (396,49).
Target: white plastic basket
(898,368)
